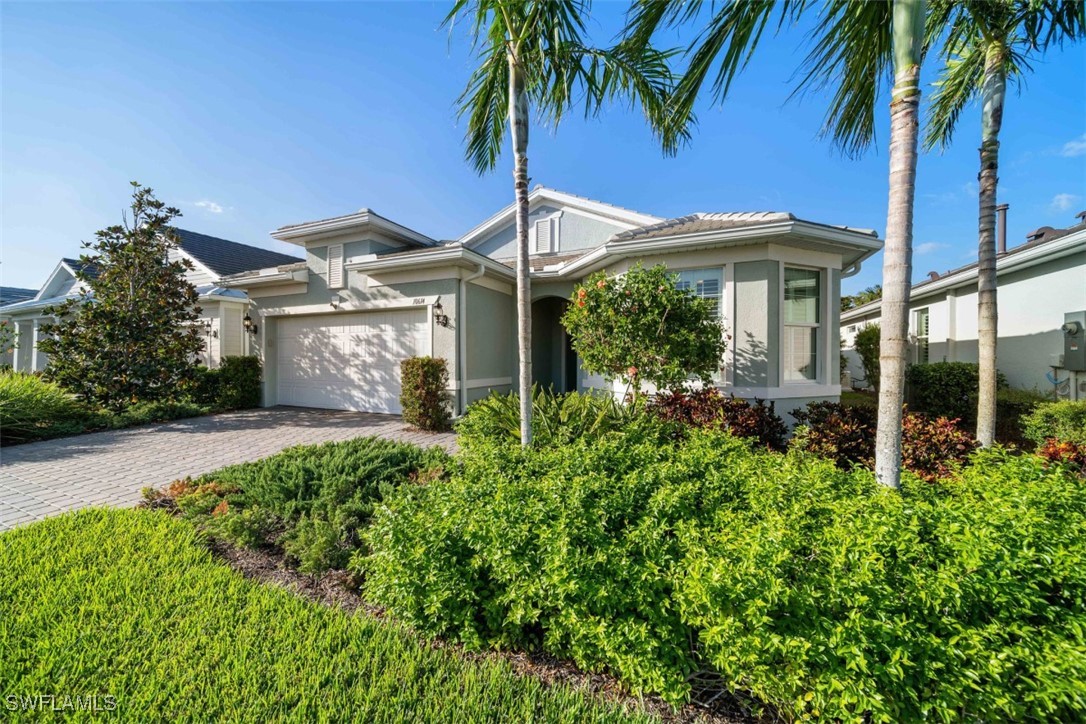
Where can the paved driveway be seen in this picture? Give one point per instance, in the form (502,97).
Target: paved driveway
(110,468)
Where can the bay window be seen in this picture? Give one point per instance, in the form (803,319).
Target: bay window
(704,283)
(802,315)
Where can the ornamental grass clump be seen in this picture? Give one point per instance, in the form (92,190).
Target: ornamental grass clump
(803,588)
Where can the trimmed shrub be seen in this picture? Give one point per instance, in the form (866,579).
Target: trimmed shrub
(1064,421)
(33,409)
(1064,452)
(707,407)
(946,389)
(867,345)
(556,419)
(809,589)
(423,395)
(315,499)
(845,434)
(203,388)
(239,386)
(145,413)
(835,431)
(1012,408)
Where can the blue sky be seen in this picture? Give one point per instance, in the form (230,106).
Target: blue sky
(251,116)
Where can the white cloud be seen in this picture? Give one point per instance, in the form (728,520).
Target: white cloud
(970,189)
(209,206)
(928,247)
(1074,148)
(1063,202)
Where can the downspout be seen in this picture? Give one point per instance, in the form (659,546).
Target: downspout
(850,271)
(462,336)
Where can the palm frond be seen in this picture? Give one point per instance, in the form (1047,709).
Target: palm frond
(486,104)
(958,85)
(852,55)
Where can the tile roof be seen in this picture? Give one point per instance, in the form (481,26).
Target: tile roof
(229,257)
(11,295)
(694,223)
(537,263)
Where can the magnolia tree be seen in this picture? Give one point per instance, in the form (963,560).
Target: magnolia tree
(130,335)
(640,327)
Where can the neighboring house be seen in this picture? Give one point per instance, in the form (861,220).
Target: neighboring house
(371,292)
(10,295)
(1039,282)
(222,310)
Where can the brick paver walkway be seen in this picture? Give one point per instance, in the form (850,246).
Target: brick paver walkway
(110,468)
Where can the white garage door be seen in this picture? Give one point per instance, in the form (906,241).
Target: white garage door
(348,361)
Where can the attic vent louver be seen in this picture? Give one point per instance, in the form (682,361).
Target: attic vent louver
(335,266)
(544,236)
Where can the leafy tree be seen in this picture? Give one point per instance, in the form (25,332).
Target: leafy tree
(533,53)
(988,42)
(130,334)
(641,327)
(851,301)
(867,347)
(858,47)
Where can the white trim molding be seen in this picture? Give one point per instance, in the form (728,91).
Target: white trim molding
(363,220)
(586,207)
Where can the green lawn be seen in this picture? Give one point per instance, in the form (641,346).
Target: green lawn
(128,603)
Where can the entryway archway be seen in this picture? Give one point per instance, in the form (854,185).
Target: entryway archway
(554,363)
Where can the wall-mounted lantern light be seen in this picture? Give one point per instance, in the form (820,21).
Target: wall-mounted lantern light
(250,326)
(440,317)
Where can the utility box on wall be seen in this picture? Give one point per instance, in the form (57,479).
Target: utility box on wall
(1074,341)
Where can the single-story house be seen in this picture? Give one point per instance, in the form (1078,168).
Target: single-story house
(1041,283)
(222,309)
(332,330)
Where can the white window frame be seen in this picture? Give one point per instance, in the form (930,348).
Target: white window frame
(723,376)
(823,326)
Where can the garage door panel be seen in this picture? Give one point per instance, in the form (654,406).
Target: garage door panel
(348,361)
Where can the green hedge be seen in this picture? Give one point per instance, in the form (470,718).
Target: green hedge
(808,588)
(424,395)
(1064,421)
(234,385)
(946,389)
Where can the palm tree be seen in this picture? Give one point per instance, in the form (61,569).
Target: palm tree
(857,47)
(988,42)
(533,53)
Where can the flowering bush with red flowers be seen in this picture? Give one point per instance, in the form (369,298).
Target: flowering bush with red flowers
(641,327)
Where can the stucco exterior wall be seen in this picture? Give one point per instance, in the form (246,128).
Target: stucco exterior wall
(576,232)
(490,341)
(756,328)
(1032,303)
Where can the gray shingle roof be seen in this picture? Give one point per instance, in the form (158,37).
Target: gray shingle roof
(11,295)
(90,270)
(229,257)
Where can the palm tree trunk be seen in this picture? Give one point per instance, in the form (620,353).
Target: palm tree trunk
(908,36)
(518,129)
(993,93)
